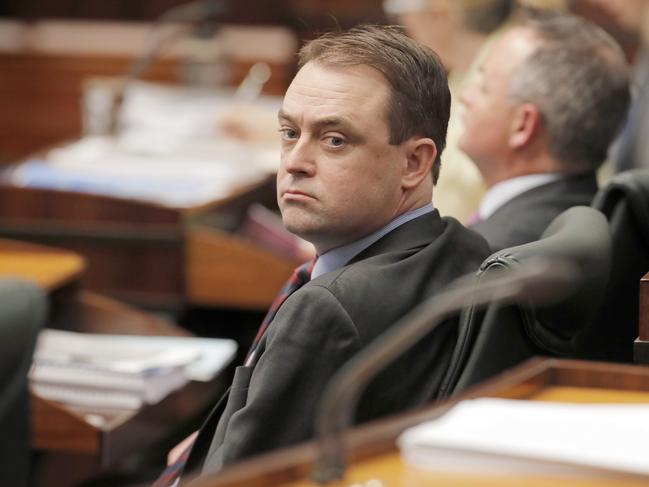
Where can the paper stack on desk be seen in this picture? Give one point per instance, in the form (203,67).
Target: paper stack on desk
(501,436)
(121,371)
(168,152)
(103,166)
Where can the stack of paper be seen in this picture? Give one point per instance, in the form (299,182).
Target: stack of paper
(121,371)
(104,166)
(512,436)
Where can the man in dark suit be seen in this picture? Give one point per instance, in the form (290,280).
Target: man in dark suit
(362,125)
(552,94)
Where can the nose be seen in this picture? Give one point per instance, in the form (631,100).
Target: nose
(299,159)
(466,95)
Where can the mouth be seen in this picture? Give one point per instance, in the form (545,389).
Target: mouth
(292,194)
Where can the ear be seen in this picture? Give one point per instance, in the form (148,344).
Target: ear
(420,155)
(525,125)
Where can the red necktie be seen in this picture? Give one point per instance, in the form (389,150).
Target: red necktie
(299,278)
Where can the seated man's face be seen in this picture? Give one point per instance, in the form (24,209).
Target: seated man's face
(339,178)
(488,112)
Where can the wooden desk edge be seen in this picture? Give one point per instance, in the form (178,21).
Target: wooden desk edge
(220,269)
(69,265)
(378,437)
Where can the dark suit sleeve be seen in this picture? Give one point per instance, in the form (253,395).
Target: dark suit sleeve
(307,342)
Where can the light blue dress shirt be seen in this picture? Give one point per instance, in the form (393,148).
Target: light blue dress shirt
(339,256)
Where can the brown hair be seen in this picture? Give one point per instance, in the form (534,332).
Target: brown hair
(420,100)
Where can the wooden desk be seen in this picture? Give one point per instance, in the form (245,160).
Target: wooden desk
(50,268)
(136,252)
(641,345)
(150,255)
(372,448)
(74,442)
(77,443)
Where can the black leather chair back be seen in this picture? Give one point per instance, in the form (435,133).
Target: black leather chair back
(625,203)
(23,308)
(498,337)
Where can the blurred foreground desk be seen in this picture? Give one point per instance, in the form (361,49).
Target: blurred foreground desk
(74,443)
(373,454)
(78,443)
(50,268)
(152,255)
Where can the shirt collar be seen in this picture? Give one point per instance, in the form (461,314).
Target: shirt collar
(338,257)
(505,191)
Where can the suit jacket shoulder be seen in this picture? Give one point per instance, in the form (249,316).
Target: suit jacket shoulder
(327,321)
(524,218)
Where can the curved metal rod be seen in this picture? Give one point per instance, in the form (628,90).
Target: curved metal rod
(178,19)
(187,13)
(537,280)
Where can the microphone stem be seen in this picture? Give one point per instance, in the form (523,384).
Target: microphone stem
(536,279)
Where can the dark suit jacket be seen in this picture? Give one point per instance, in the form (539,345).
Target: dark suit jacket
(327,321)
(524,218)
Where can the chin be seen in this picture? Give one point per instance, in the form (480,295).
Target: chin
(301,229)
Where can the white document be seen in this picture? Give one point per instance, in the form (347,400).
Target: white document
(214,353)
(149,388)
(500,436)
(102,352)
(90,398)
(122,371)
(168,152)
(203,172)
(201,358)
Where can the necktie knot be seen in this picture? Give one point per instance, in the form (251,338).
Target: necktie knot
(301,275)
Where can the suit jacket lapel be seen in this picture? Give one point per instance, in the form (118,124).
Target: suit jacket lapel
(413,234)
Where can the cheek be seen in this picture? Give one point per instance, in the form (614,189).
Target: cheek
(281,174)
(479,121)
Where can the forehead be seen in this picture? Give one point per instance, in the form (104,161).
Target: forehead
(508,51)
(322,91)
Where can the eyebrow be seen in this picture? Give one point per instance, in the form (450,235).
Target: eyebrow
(328,122)
(321,123)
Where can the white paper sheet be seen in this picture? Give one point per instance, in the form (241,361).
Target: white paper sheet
(512,435)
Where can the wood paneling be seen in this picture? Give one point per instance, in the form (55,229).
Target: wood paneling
(41,94)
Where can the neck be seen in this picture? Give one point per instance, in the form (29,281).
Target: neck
(416,197)
(522,164)
(406,205)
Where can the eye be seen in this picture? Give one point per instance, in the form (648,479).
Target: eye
(335,141)
(288,133)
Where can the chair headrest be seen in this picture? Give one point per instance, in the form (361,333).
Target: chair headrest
(23,309)
(632,187)
(581,236)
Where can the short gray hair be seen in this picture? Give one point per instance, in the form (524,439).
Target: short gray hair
(579,80)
